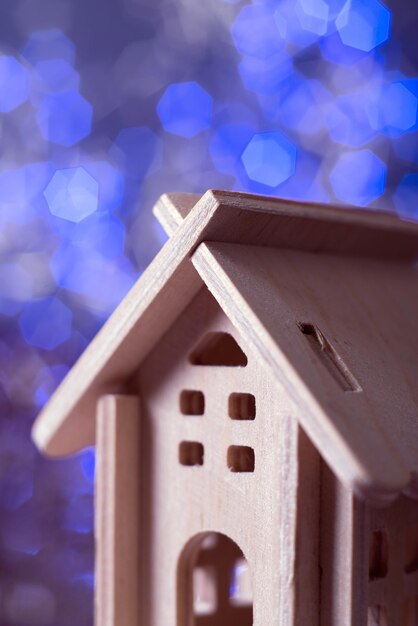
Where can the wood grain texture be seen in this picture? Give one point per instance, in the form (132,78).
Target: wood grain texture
(169,283)
(368,310)
(172,208)
(343,554)
(117,512)
(263,512)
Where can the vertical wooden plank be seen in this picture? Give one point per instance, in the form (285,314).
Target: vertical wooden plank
(117,511)
(307,579)
(344,555)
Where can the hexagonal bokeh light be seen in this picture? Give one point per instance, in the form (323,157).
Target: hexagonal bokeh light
(72,194)
(104,108)
(65,117)
(364,24)
(269,158)
(14,83)
(185,109)
(358,177)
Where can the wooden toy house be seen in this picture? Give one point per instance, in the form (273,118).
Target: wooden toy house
(254,403)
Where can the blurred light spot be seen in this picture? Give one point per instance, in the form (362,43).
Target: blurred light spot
(405,197)
(313,15)
(227,146)
(46,323)
(333,50)
(358,177)
(269,158)
(303,105)
(16,287)
(14,84)
(49,44)
(72,194)
(255,33)
(88,463)
(185,109)
(396,109)
(16,482)
(53,75)
(347,120)
(84,271)
(21,533)
(29,603)
(111,183)
(265,75)
(101,232)
(47,381)
(364,24)
(137,151)
(65,117)
(78,516)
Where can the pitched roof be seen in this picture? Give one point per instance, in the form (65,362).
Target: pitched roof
(268,283)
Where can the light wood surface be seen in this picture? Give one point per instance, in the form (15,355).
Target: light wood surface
(117,512)
(367,309)
(271,513)
(169,283)
(172,208)
(343,555)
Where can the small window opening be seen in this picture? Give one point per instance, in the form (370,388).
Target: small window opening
(192,402)
(330,358)
(241,459)
(377,616)
(241,406)
(240,591)
(204,590)
(191,453)
(218,349)
(411,550)
(378,555)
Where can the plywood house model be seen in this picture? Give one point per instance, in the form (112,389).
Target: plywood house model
(254,403)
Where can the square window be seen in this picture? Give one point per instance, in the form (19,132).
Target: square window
(241,406)
(191,453)
(192,402)
(241,459)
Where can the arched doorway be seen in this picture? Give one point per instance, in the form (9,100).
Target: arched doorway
(214,583)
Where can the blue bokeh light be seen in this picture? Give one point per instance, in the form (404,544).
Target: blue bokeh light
(255,33)
(396,108)
(185,109)
(46,323)
(72,194)
(364,24)
(358,177)
(405,197)
(65,117)
(348,120)
(265,75)
(137,151)
(14,84)
(49,44)
(269,158)
(304,99)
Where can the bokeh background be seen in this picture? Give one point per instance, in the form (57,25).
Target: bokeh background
(106,104)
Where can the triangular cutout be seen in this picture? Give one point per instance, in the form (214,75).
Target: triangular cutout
(218,349)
